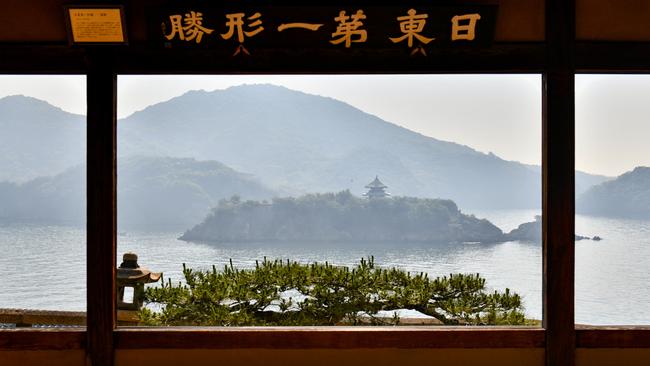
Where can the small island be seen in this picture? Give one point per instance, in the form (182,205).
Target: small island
(532,232)
(342,218)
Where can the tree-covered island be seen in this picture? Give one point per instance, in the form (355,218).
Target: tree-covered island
(342,218)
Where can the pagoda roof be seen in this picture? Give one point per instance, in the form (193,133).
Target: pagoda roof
(376,184)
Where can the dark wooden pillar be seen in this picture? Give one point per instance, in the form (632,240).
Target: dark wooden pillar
(101,179)
(559,183)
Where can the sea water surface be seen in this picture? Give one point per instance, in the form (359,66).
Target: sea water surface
(43,266)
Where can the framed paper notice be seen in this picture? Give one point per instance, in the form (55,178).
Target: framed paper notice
(95,24)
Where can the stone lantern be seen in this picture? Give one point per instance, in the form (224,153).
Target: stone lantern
(131,275)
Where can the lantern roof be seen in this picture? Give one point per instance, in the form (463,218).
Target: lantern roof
(131,271)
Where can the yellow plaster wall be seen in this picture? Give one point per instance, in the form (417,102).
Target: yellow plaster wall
(613,357)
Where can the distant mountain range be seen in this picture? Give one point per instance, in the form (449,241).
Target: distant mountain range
(626,196)
(289,143)
(175,193)
(38,139)
(57,199)
(153,193)
(299,143)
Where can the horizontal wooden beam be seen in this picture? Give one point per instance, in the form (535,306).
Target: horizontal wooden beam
(597,57)
(613,337)
(42,59)
(139,59)
(28,317)
(516,58)
(328,337)
(337,337)
(42,339)
(590,57)
(612,57)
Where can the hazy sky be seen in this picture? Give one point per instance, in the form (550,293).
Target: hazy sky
(491,113)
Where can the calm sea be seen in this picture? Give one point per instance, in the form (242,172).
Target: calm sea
(43,267)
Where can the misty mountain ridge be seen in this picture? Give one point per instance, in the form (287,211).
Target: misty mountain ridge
(153,193)
(38,139)
(293,142)
(305,143)
(626,196)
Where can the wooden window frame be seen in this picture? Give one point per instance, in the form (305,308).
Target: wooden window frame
(558,60)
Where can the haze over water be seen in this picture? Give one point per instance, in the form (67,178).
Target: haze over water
(44,266)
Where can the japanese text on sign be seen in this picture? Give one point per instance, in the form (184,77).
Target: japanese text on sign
(96,25)
(346,29)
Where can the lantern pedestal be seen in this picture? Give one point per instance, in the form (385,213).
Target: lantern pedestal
(132,278)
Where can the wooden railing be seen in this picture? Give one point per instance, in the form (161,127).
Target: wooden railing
(30,318)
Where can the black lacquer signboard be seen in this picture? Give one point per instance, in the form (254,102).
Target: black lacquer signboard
(240,30)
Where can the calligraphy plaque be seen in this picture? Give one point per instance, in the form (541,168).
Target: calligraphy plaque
(413,28)
(96,25)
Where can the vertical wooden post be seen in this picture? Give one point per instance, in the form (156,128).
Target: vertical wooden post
(559,183)
(101,225)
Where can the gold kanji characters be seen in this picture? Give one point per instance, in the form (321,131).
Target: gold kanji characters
(192,30)
(235,23)
(411,26)
(349,28)
(348,31)
(466,30)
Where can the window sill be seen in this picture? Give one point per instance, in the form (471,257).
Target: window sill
(329,337)
(322,337)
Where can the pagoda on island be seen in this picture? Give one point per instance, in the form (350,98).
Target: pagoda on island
(376,189)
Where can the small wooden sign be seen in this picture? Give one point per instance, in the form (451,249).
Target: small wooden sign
(96,24)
